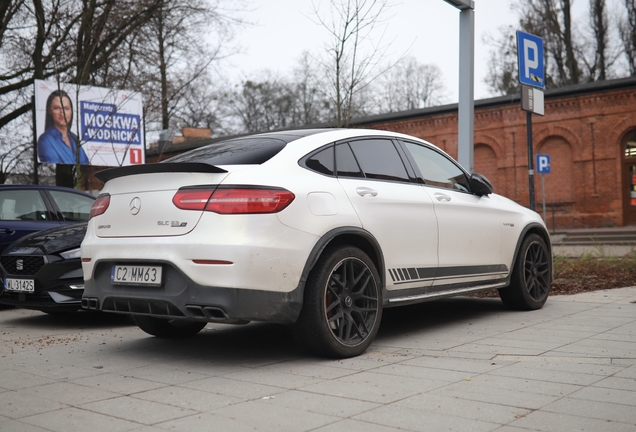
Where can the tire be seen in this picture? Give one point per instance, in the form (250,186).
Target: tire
(531,277)
(340,320)
(169,329)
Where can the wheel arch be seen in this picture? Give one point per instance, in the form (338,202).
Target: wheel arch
(349,236)
(540,230)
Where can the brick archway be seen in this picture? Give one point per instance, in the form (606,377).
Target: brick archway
(559,184)
(486,164)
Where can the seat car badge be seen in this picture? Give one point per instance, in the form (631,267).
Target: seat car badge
(135,205)
(19,264)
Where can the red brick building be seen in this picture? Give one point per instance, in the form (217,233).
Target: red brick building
(588,130)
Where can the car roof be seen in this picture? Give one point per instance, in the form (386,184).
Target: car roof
(47,187)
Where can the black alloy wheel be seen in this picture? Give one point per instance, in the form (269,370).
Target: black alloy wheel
(343,304)
(531,278)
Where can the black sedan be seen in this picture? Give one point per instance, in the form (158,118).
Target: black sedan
(29,208)
(43,270)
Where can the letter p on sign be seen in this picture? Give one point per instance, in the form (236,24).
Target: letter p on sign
(531,57)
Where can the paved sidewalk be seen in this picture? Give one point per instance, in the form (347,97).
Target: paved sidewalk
(593,250)
(464,364)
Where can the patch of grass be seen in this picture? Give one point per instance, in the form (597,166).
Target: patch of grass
(592,272)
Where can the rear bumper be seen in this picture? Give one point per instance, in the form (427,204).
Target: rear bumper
(179,297)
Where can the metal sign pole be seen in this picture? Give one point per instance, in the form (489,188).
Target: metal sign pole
(543,196)
(530,164)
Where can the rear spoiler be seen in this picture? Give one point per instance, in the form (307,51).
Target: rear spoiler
(186,167)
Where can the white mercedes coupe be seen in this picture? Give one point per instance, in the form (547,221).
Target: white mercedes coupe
(317,228)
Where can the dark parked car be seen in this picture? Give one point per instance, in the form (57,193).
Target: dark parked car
(43,270)
(29,208)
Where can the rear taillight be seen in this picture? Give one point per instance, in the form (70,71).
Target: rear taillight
(192,199)
(240,200)
(100,205)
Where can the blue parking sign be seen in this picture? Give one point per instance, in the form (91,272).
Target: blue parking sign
(530,56)
(543,164)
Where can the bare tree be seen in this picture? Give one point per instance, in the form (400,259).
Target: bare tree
(599,26)
(503,71)
(104,43)
(409,85)
(571,56)
(175,56)
(627,28)
(67,41)
(352,58)
(310,105)
(264,105)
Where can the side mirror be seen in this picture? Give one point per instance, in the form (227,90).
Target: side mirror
(480,185)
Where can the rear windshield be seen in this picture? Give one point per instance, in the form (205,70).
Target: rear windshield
(238,151)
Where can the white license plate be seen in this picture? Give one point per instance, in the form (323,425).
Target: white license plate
(136,275)
(21,285)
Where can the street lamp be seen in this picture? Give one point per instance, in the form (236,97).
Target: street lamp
(462,4)
(466,112)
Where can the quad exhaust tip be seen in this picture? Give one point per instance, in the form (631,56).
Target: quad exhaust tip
(90,303)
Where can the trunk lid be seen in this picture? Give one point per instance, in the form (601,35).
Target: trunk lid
(141,205)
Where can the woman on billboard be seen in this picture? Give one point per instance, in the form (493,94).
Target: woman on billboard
(58,144)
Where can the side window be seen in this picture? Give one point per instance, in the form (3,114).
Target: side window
(379,159)
(322,161)
(346,164)
(24,204)
(437,169)
(74,207)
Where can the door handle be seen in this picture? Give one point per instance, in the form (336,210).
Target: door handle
(6,231)
(442,197)
(364,191)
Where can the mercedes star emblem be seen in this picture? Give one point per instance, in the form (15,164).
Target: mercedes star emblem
(135,205)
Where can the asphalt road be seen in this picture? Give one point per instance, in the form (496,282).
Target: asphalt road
(462,364)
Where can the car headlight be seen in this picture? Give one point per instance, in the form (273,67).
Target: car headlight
(70,254)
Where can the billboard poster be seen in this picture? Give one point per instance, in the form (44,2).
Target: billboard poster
(105,126)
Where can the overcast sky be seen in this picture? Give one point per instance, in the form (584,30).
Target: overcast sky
(426,29)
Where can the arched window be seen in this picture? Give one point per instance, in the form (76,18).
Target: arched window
(630,146)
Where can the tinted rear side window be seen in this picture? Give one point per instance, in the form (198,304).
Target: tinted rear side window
(345,162)
(322,161)
(239,151)
(379,159)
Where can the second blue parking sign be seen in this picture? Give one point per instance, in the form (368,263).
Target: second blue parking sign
(543,164)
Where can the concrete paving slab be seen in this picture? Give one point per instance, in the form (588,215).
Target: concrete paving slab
(455,407)
(493,394)
(238,389)
(603,394)
(74,419)
(70,393)
(182,397)
(607,411)
(525,371)
(322,404)
(262,413)
(356,426)
(554,422)
(137,410)
(422,420)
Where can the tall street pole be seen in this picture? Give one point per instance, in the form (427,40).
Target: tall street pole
(466,114)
